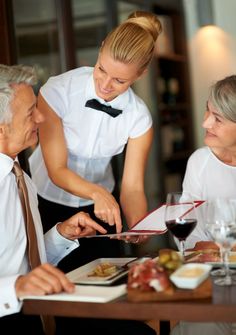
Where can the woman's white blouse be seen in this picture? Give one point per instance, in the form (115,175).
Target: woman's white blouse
(92,137)
(207,178)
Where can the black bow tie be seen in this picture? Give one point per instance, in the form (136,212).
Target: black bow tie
(95,104)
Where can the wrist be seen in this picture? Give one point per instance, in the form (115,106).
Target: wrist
(96,193)
(17,286)
(59,228)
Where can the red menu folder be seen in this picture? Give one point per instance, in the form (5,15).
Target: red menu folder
(152,224)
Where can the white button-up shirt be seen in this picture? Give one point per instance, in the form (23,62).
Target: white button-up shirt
(13,240)
(92,137)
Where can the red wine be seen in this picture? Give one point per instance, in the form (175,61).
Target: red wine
(182,229)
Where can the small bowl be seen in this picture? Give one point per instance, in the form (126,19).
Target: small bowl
(190,275)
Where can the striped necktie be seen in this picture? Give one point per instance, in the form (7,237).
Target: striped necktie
(32,246)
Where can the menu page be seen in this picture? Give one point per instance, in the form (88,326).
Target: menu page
(151,224)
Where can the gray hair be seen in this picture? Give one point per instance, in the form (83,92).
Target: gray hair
(15,74)
(223,97)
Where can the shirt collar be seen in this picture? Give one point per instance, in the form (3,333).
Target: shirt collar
(6,164)
(120,102)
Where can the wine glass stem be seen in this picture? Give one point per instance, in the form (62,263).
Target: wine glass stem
(182,248)
(226,264)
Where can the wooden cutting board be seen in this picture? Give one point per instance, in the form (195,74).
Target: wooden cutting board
(202,291)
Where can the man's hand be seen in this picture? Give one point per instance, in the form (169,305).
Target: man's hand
(45,279)
(79,225)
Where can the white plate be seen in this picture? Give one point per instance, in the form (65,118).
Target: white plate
(86,293)
(232,264)
(81,274)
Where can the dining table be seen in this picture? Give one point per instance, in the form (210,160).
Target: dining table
(219,307)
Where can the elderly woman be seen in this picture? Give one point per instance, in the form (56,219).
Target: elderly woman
(211,172)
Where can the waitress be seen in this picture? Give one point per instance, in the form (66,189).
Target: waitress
(72,165)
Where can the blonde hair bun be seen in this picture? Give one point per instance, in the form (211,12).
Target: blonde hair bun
(133,41)
(147,21)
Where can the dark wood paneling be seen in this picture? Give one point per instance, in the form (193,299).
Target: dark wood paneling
(66,34)
(7,37)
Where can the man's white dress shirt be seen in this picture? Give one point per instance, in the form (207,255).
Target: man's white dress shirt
(13,257)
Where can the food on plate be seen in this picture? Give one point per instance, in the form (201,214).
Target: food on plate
(169,259)
(205,245)
(148,276)
(232,258)
(204,251)
(203,256)
(105,269)
(207,251)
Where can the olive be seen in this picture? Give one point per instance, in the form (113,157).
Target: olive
(172,265)
(163,258)
(175,255)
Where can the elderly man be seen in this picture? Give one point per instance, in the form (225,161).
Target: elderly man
(26,255)
(19,121)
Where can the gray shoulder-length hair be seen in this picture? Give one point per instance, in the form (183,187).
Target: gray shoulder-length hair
(223,97)
(9,75)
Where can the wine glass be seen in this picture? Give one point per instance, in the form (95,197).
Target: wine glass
(180,217)
(221,225)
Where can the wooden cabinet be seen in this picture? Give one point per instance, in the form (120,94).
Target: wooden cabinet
(173,95)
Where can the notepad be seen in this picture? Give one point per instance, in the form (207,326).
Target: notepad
(85,294)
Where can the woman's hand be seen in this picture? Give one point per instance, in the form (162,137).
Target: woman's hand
(106,208)
(79,225)
(137,239)
(45,279)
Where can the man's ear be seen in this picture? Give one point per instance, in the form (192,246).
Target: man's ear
(3,130)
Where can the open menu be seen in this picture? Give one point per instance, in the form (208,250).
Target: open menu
(151,224)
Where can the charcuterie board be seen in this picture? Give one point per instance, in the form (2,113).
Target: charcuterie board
(172,294)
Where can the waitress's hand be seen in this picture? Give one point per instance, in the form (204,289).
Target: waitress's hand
(79,225)
(135,239)
(106,208)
